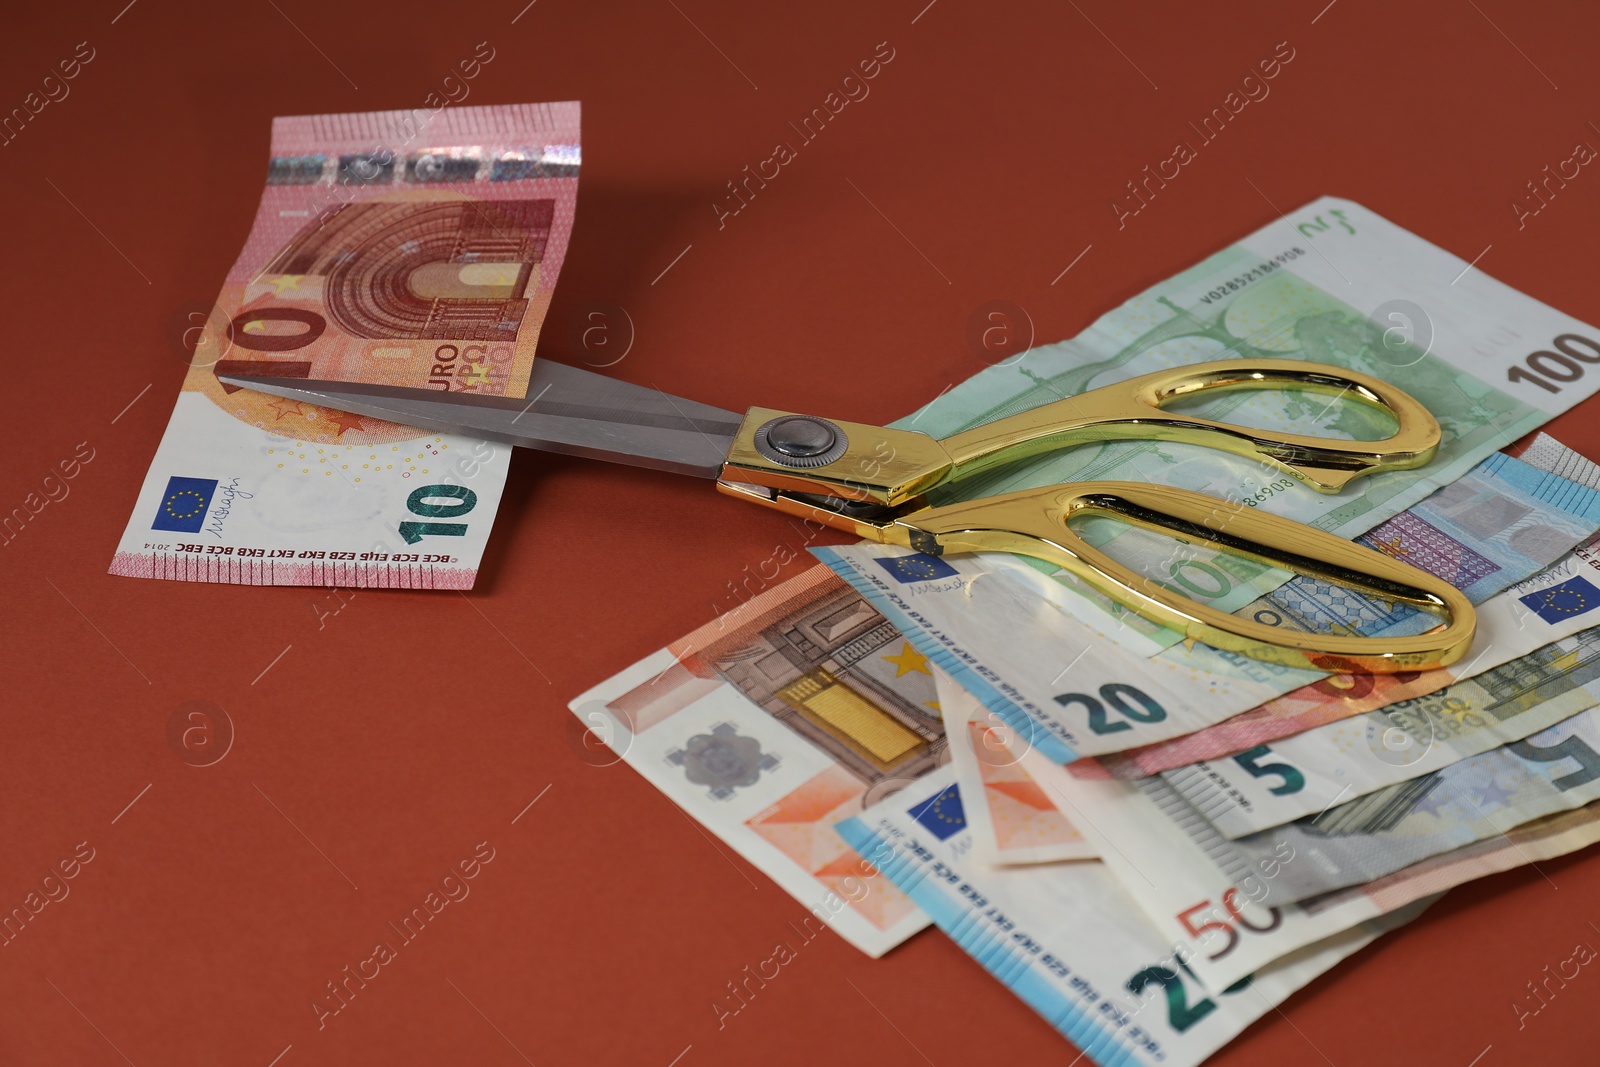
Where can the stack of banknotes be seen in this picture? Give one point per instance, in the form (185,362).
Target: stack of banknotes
(1150,841)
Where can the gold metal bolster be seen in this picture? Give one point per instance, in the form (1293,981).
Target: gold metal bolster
(1035,523)
(877,464)
(1131,410)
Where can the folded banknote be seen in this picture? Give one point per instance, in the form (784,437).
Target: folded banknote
(1068,940)
(1012,819)
(416,249)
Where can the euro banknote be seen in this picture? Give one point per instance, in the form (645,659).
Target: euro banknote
(798,709)
(1406,311)
(1555,603)
(1067,939)
(1013,673)
(1228,925)
(1012,819)
(1554,770)
(1018,642)
(1305,774)
(415,249)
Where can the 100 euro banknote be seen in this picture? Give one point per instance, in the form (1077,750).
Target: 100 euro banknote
(1330,282)
(794,711)
(413,249)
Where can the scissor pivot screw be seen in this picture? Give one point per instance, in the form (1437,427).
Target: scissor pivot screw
(800,441)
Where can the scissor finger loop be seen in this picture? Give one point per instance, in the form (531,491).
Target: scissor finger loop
(1037,523)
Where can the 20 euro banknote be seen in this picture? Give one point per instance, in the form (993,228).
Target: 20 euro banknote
(1022,643)
(1556,603)
(415,249)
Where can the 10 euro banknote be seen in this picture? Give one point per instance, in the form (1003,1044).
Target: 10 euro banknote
(413,249)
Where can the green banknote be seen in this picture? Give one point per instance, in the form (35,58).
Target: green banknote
(1326,284)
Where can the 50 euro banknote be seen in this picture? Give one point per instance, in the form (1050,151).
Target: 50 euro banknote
(1229,924)
(413,249)
(1070,942)
(1027,648)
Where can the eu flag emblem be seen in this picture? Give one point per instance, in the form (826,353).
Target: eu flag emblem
(1572,597)
(183,505)
(943,814)
(917,567)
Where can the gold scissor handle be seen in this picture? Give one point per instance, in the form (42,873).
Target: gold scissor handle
(1035,523)
(1133,410)
(890,468)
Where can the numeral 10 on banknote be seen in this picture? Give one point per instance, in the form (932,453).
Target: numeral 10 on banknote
(461,501)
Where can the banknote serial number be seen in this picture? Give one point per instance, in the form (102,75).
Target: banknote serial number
(1266,267)
(306,553)
(1266,492)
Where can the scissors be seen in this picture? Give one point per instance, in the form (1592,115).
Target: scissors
(872,481)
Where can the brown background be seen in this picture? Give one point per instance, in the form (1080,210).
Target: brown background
(405,729)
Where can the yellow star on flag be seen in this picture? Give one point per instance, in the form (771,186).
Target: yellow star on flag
(284,282)
(478,375)
(908,660)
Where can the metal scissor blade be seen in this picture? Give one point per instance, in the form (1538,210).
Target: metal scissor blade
(573,411)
